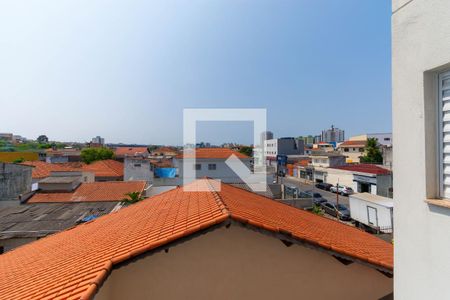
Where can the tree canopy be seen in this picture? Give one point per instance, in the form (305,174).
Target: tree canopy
(372,152)
(89,155)
(246,150)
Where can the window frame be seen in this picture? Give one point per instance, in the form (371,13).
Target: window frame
(440,137)
(210,167)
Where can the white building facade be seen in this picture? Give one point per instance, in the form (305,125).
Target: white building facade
(421,94)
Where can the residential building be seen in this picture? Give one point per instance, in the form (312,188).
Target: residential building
(121,152)
(307,139)
(284,146)
(383,139)
(353,150)
(98,140)
(7,137)
(74,192)
(420,94)
(327,159)
(104,170)
(227,244)
(266,135)
(63,155)
(369,178)
(323,146)
(136,168)
(165,152)
(15,182)
(26,223)
(210,162)
(333,135)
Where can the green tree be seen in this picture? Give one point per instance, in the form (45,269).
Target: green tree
(133,197)
(19,160)
(246,150)
(89,155)
(373,154)
(317,210)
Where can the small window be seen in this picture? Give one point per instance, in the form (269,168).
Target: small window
(137,165)
(197,167)
(345,149)
(212,166)
(361,149)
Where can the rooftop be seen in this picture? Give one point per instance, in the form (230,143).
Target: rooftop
(101,168)
(387,202)
(74,263)
(38,220)
(365,168)
(92,192)
(130,151)
(215,153)
(353,144)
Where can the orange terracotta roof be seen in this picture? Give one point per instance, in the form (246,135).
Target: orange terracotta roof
(219,153)
(105,168)
(74,263)
(353,144)
(101,168)
(42,169)
(131,151)
(92,192)
(365,168)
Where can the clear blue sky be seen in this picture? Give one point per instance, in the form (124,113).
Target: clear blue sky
(126,69)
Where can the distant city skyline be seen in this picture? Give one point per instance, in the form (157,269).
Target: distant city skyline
(126,70)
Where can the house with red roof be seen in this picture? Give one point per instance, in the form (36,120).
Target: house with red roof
(210,162)
(121,152)
(227,244)
(103,170)
(353,150)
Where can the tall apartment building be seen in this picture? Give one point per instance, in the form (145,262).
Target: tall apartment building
(284,146)
(333,135)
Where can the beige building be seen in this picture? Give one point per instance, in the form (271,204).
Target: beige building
(353,150)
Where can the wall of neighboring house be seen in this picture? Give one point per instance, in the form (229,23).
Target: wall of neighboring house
(420,51)
(222,170)
(137,169)
(14,180)
(238,263)
(333,176)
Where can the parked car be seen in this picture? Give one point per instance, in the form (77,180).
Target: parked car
(324,186)
(333,210)
(343,190)
(317,198)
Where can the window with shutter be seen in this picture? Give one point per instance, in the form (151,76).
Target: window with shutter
(444,140)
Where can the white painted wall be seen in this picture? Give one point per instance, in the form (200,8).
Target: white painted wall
(222,172)
(420,50)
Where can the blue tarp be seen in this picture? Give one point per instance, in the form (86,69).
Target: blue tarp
(166,172)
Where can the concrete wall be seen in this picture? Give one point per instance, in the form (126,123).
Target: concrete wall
(222,172)
(14,180)
(237,263)
(137,169)
(420,51)
(384,185)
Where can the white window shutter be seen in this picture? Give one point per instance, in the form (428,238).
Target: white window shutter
(444,140)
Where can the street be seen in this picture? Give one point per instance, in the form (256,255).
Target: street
(331,197)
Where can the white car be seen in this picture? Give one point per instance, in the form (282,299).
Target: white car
(343,190)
